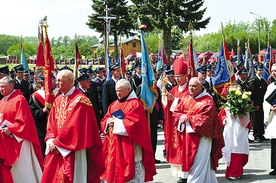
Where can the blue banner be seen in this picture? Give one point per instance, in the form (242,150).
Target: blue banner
(266,62)
(148,86)
(24,61)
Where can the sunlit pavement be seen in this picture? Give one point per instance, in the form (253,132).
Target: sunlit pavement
(256,170)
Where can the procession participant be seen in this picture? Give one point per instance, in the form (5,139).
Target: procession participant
(127,147)
(20,154)
(170,101)
(20,83)
(109,93)
(74,147)
(40,112)
(88,87)
(270,120)
(235,133)
(201,136)
(258,87)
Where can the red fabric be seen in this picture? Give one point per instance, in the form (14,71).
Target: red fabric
(179,66)
(17,111)
(119,150)
(73,125)
(48,72)
(39,97)
(238,161)
(191,62)
(172,137)
(202,116)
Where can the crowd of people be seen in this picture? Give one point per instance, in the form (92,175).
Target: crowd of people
(97,128)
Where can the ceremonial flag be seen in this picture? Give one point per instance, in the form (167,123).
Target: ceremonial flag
(191,63)
(222,78)
(160,62)
(267,62)
(248,62)
(121,59)
(23,60)
(195,59)
(239,54)
(49,71)
(148,87)
(77,61)
(40,62)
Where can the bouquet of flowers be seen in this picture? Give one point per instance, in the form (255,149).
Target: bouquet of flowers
(238,102)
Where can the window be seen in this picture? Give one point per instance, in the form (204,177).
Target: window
(133,45)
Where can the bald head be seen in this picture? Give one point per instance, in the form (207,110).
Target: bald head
(64,81)
(195,86)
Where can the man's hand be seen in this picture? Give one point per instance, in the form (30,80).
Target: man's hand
(111,121)
(45,110)
(183,118)
(257,108)
(273,108)
(6,131)
(53,148)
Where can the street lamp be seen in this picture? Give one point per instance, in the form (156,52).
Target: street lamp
(259,27)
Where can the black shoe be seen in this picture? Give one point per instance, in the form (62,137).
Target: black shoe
(273,172)
(181,180)
(263,138)
(258,139)
(157,161)
(164,153)
(250,141)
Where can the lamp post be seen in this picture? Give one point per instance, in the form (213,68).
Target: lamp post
(259,27)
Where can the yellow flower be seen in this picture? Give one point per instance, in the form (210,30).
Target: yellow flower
(232,89)
(238,92)
(248,93)
(244,96)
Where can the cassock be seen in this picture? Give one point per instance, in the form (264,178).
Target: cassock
(201,138)
(121,152)
(20,154)
(72,126)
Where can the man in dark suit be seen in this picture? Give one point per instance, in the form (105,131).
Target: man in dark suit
(258,87)
(109,92)
(84,85)
(20,83)
(137,78)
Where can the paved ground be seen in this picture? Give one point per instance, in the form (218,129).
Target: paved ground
(256,170)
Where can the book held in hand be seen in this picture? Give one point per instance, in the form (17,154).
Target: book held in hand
(271,99)
(118,114)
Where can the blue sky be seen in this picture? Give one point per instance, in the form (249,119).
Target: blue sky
(68,17)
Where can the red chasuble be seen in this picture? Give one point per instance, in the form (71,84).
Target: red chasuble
(72,124)
(203,117)
(119,150)
(172,137)
(17,111)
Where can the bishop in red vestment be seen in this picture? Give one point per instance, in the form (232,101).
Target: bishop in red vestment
(127,144)
(20,154)
(74,145)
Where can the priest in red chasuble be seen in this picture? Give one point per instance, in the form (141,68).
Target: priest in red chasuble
(127,146)
(20,153)
(202,138)
(74,147)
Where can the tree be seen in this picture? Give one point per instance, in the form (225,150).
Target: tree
(6,41)
(15,50)
(122,25)
(164,14)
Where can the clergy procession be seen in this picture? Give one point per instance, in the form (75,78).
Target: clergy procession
(76,124)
